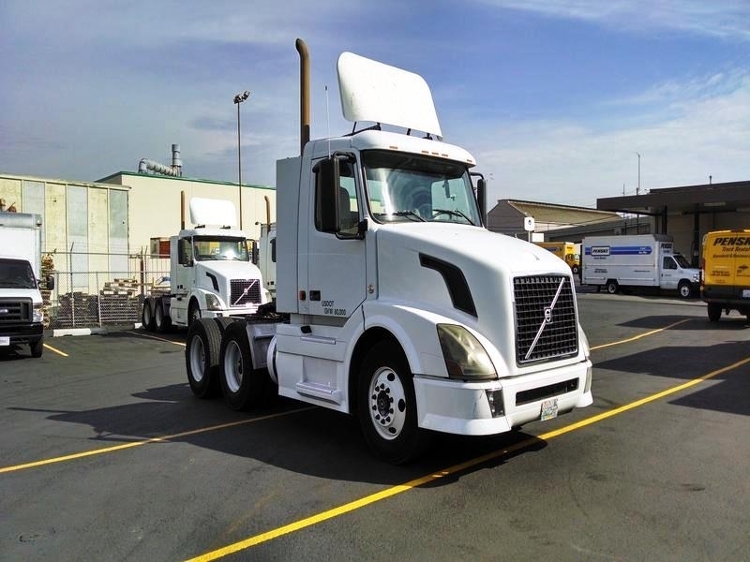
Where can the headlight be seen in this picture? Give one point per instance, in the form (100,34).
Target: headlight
(696,278)
(465,358)
(38,314)
(212,302)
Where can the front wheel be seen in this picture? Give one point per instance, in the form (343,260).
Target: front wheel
(387,407)
(37,348)
(685,290)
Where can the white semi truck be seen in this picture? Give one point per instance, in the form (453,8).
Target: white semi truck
(211,275)
(21,314)
(637,260)
(393,302)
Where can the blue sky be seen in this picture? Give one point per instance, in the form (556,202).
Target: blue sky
(553,97)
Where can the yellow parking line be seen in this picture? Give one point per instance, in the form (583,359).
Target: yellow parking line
(132,444)
(395,490)
(156,338)
(56,350)
(639,336)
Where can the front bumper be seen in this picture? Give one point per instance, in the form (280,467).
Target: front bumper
(464,408)
(26,332)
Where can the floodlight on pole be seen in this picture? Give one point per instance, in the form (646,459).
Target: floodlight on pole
(238,99)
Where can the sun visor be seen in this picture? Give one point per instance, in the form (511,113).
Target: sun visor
(379,93)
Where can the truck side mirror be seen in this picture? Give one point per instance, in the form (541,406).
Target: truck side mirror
(482,198)
(50,282)
(327,195)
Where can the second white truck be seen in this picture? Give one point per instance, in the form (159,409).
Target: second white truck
(211,275)
(393,302)
(638,260)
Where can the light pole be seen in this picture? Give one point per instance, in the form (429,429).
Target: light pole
(238,99)
(638,189)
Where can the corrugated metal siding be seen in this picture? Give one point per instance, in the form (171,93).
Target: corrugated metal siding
(118,230)
(55,221)
(33,201)
(78,235)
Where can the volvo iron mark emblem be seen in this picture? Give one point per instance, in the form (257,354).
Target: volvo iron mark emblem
(547,318)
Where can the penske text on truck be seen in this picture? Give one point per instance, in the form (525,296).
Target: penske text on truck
(394,303)
(725,272)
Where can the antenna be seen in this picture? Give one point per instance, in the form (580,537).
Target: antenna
(328,123)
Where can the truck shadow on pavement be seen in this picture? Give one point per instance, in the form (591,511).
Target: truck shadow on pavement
(291,435)
(688,363)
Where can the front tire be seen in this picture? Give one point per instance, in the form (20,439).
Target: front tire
(714,311)
(243,387)
(37,348)
(387,407)
(685,290)
(202,357)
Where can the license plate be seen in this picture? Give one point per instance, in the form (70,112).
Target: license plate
(5,341)
(549,409)
(746,293)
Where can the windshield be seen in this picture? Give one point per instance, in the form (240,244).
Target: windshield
(220,248)
(405,187)
(681,261)
(16,274)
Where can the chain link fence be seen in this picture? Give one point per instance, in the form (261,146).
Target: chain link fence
(107,296)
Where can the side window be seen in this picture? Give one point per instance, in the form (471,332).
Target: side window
(184,251)
(348,205)
(669,263)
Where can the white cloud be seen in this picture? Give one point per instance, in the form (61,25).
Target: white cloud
(576,163)
(719,18)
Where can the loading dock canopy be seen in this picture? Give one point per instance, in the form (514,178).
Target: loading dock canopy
(707,198)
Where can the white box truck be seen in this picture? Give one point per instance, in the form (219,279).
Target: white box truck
(211,275)
(637,260)
(393,302)
(21,315)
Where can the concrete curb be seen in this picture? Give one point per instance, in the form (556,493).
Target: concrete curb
(91,331)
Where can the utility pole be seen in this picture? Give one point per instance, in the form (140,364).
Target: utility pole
(238,99)
(638,189)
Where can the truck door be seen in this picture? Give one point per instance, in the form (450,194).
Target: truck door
(335,263)
(669,273)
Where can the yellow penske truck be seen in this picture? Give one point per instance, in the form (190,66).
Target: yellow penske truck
(725,272)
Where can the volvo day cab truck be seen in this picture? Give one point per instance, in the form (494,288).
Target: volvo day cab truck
(211,275)
(21,315)
(725,272)
(566,251)
(393,302)
(638,260)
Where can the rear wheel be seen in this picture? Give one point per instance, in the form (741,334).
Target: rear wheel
(685,290)
(612,287)
(162,322)
(387,407)
(37,347)
(147,315)
(243,387)
(202,357)
(714,311)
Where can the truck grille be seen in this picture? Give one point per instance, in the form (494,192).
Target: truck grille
(16,310)
(244,291)
(544,331)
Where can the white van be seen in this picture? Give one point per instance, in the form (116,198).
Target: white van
(639,260)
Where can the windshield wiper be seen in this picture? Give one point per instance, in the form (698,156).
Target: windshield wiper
(410,214)
(454,214)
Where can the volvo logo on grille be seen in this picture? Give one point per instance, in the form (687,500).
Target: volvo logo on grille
(547,318)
